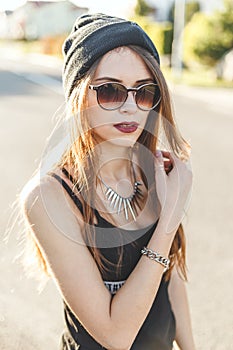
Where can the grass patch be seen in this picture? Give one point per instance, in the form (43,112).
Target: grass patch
(21,46)
(202,77)
(48,46)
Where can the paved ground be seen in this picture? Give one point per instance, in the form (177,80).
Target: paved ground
(28,100)
(206,119)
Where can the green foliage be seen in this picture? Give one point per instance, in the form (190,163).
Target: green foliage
(226,16)
(142,8)
(161,33)
(167,38)
(207,38)
(190,9)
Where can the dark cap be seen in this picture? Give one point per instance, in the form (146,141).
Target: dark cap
(92,36)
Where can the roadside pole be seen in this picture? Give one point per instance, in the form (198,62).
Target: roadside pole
(177,45)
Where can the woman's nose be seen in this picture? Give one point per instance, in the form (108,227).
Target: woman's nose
(130,105)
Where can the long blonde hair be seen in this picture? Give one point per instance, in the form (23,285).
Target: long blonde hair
(80,156)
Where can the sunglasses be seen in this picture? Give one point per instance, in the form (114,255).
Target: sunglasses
(112,96)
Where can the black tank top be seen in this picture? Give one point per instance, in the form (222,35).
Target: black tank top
(158,330)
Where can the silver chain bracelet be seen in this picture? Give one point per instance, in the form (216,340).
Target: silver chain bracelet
(156,257)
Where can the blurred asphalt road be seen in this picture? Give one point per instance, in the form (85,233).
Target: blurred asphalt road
(30,94)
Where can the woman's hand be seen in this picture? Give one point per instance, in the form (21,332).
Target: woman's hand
(173,185)
(167,161)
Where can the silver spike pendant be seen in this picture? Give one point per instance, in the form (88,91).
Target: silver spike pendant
(127,204)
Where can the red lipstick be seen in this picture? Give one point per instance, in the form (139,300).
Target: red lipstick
(126,127)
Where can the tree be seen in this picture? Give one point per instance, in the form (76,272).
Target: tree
(208,38)
(142,8)
(190,9)
(161,33)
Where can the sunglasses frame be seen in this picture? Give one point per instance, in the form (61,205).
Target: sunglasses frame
(96,88)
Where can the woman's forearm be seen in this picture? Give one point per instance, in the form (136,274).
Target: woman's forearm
(133,301)
(179,301)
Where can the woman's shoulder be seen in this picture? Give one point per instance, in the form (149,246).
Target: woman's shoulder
(46,205)
(37,189)
(43,194)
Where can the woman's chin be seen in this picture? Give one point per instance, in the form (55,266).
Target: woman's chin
(122,141)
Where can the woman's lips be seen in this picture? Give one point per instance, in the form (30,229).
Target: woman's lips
(126,127)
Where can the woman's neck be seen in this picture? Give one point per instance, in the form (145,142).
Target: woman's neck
(114,161)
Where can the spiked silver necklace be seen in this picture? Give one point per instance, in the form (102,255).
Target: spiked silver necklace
(128,204)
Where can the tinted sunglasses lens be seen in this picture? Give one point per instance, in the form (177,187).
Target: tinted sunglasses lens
(147,97)
(111,95)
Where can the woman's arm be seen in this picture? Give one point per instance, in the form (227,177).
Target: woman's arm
(179,301)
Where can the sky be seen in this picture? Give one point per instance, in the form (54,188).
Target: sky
(116,7)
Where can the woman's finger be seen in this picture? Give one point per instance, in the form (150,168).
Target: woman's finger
(166,154)
(160,178)
(168,162)
(159,161)
(168,166)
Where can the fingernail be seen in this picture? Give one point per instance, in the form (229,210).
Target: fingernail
(158,154)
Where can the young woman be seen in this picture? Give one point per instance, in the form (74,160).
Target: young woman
(106,220)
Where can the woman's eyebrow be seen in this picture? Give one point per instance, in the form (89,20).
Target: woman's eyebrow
(107,79)
(145,80)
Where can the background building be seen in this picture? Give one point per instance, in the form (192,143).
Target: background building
(39,19)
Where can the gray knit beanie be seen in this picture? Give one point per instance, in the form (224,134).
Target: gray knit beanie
(92,36)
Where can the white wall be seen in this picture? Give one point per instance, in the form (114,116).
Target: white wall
(54,19)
